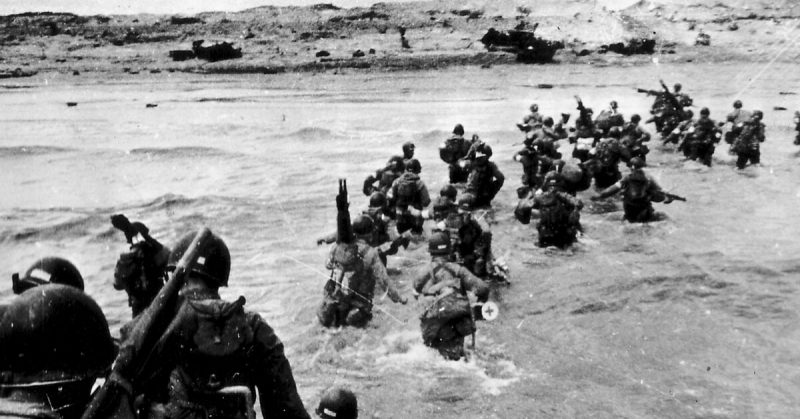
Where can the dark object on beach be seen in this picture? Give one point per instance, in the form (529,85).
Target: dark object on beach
(544,86)
(71,104)
(76,73)
(358,54)
(631,47)
(323,53)
(778,108)
(151,105)
(787,93)
(403,41)
(372,50)
(216,52)
(703,39)
(528,47)
(181,54)
(178,20)
(17,72)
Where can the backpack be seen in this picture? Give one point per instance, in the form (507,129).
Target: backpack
(637,189)
(407,190)
(553,213)
(222,328)
(451,150)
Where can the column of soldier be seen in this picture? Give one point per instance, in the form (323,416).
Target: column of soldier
(188,354)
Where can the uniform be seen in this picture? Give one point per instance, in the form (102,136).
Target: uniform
(747,145)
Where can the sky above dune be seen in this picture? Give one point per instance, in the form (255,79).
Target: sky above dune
(91,7)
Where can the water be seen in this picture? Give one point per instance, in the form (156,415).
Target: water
(694,316)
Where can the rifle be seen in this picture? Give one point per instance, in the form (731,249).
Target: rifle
(674,197)
(115,397)
(671,98)
(648,92)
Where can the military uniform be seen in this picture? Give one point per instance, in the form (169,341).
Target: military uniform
(484,181)
(559,217)
(447,318)
(453,151)
(356,270)
(608,153)
(639,190)
(141,273)
(409,191)
(747,145)
(704,134)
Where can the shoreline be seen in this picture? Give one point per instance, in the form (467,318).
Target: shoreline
(434,35)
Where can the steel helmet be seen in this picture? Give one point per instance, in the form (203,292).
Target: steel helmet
(737,104)
(362,225)
(414,166)
(636,163)
(53,270)
(396,161)
(458,129)
(613,104)
(758,115)
(338,403)
(689,113)
(484,149)
(635,118)
(53,333)
(466,201)
(677,87)
(439,243)
(377,199)
(548,122)
(705,112)
(213,263)
(534,107)
(449,191)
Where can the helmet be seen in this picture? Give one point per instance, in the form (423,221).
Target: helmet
(484,150)
(413,166)
(439,243)
(449,191)
(677,87)
(362,225)
(688,113)
(636,163)
(338,403)
(408,149)
(548,122)
(52,333)
(613,104)
(737,104)
(53,270)
(615,132)
(466,201)
(442,204)
(396,161)
(589,111)
(377,199)
(458,129)
(705,112)
(534,107)
(635,118)
(214,262)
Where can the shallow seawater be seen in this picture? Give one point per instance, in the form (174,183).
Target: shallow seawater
(693,316)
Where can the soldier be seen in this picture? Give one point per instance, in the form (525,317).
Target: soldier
(702,137)
(55,343)
(409,191)
(679,133)
(797,127)
(485,179)
(559,215)
(605,162)
(356,270)
(683,99)
(470,239)
(408,151)
(747,145)
(447,318)
(531,120)
(453,151)
(639,190)
(609,118)
(142,271)
(48,270)
(634,137)
(560,127)
(385,176)
(586,134)
(214,354)
(737,118)
(338,403)
(531,174)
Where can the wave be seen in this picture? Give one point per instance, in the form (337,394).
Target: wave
(313,134)
(31,150)
(76,225)
(189,151)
